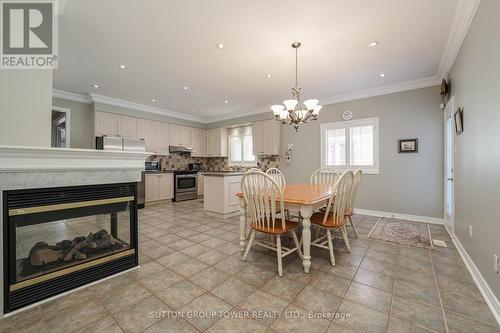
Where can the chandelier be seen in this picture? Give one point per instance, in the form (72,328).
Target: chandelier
(292,113)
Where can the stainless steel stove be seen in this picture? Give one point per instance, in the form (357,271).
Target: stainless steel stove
(185,185)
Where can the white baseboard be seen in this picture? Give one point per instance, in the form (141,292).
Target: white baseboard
(426,219)
(481,283)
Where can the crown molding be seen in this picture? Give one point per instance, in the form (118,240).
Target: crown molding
(145,108)
(71,96)
(384,90)
(462,19)
(239,114)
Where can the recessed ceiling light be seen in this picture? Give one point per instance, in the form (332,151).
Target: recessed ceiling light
(194,110)
(154,100)
(186,87)
(220,45)
(226,101)
(373,44)
(382,75)
(123,66)
(269,76)
(95,86)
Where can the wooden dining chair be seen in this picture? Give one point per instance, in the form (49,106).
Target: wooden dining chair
(349,211)
(277,175)
(324,176)
(254,169)
(263,198)
(335,215)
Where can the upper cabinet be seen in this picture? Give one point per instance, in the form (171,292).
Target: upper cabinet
(180,136)
(266,137)
(127,127)
(106,124)
(162,137)
(217,142)
(198,142)
(146,131)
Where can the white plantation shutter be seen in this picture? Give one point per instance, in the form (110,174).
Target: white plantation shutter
(241,145)
(350,145)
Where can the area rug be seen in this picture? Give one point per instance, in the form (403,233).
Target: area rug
(402,232)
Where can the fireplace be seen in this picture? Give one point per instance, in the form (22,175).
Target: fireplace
(58,239)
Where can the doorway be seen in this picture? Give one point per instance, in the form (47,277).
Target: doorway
(60,133)
(449,163)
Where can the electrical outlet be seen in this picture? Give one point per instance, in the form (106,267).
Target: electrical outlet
(495,263)
(470,231)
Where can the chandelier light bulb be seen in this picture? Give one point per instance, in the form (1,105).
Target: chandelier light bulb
(310,104)
(290,104)
(316,109)
(277,109)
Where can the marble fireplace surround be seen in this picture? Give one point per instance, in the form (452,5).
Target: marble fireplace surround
(34,167)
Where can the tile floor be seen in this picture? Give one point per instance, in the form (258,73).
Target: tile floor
(190,264)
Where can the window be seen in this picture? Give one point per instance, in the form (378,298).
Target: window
(351,145)
(241,146)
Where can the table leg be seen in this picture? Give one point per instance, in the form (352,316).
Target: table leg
(243,224)
(306,212)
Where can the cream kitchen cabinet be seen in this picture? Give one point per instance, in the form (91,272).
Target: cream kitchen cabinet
(201,184)
(105,124)
(127,127)
(180,136)
(146,131)
(162,138)
(159,186)
(217,142)
(266,137)
(198,142)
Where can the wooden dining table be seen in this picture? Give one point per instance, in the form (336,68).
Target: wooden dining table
(304,198)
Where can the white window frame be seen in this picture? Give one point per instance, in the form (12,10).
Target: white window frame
(240,163)
(375,169)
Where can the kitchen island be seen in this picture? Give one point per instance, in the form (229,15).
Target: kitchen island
(220,188)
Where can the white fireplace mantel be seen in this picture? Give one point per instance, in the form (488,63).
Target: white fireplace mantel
(34,159)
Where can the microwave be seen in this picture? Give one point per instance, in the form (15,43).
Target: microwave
(152,166)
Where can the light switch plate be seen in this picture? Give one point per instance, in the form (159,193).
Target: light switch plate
(470,231)
(495,263)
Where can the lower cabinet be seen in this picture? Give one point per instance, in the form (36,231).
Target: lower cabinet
(201,184)
(159,186)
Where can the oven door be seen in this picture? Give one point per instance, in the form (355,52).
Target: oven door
(186,183)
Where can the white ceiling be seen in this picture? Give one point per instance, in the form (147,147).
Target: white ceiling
(169,44)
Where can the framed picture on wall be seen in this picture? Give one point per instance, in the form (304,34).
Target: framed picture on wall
(459,121)
(408,146)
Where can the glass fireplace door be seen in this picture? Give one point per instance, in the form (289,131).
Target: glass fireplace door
(61,238)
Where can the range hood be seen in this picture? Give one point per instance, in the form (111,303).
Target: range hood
(179,149)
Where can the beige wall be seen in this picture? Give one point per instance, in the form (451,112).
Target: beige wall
(407,183)
(81,126)
(25,107)
(475,82)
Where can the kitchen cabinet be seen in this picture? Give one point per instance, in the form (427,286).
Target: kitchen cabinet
(106,124)
(198,142)
(162,138)
(180,136)
(159,186)
(201,184)
(146,131)
(219,197)
(127,127)
(217,142)
(266,137)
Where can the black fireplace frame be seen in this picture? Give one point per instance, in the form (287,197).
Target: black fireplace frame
(17,299)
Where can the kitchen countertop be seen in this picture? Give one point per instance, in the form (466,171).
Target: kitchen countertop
(163,171)
(223,173)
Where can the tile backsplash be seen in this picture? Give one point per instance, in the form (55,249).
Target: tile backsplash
(181,161)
